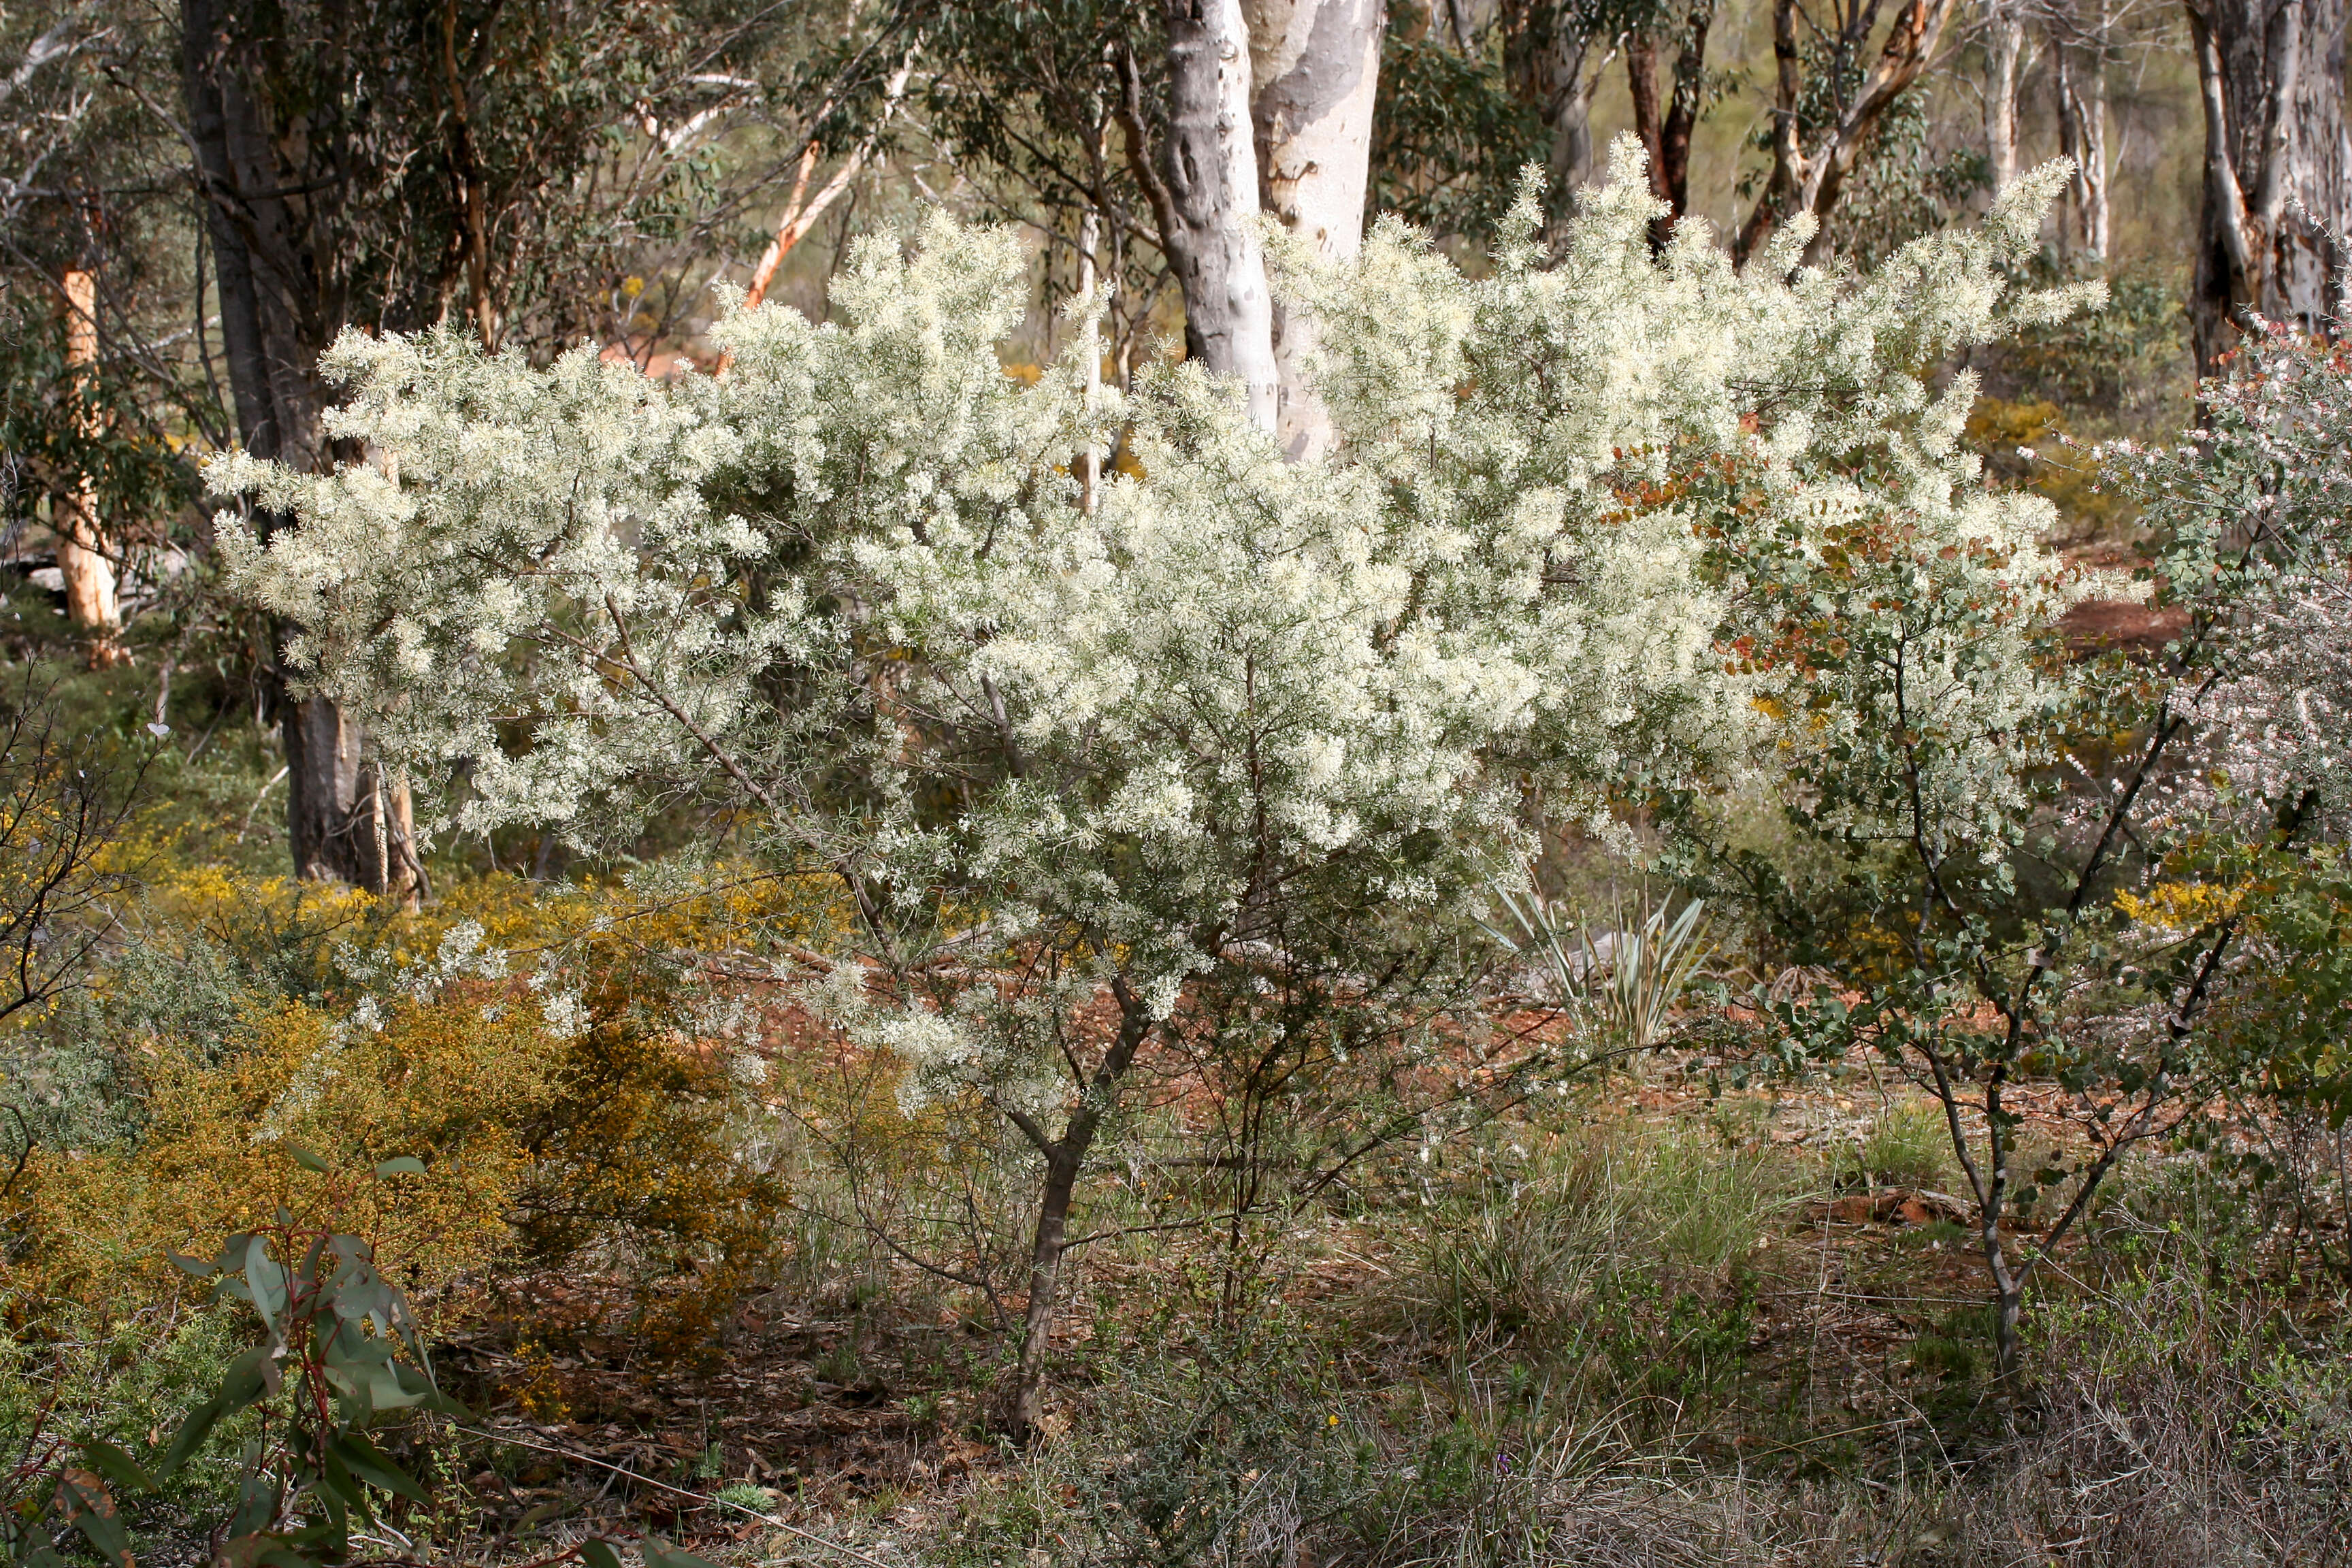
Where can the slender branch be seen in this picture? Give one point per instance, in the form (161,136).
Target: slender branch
(653,694)
(767,1518)
(798,219)
(24,1154)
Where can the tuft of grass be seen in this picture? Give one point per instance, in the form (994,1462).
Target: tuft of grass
(1586,1215)
(1908,1146)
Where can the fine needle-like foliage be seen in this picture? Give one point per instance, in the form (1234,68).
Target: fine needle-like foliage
(1071,766)
(2070,862)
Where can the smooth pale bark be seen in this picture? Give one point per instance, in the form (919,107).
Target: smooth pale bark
(2004,60)
(1205,193)
(2277,167)
(82,558)
(1090,460)
(1546,47)
(1315,70)
(2082,82)
(280,307)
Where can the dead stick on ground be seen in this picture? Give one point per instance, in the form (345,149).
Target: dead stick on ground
(767,1519)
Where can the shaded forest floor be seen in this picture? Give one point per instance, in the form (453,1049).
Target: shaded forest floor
(1490,1379)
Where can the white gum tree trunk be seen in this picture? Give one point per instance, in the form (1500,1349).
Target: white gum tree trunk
(2082,68)
(2004,60)
(82,559)
(1210,168)
(1314,66)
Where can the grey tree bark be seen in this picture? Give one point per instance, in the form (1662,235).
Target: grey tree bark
(1315,70)
(2278,167)
(280,307)
(2004,63)
(1205,195)
(2080,63)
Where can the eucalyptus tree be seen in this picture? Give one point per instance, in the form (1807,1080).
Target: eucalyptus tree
(1449,133)
(1832,95)
(1048,108)
(1315,79)
(1553,54)
(413,163)
(94,330)
(1205,188)
(1178,125)
(2277,168)
(1666,125)
(2008,48)
(2083,38)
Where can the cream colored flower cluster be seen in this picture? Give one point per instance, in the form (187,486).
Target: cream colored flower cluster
(847,589)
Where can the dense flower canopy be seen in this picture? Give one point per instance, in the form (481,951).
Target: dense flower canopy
(848,589)
(2255,519)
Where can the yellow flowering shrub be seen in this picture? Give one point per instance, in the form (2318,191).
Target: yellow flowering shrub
(614,1146)
(2178,906)
(450,1083)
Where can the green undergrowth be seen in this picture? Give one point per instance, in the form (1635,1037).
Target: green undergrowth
(1626,1342)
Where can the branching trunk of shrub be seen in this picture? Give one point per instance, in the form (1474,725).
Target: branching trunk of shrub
(1065,1158)
(62,806)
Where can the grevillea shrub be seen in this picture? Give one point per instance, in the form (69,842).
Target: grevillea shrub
(1071,764)
(2121,874)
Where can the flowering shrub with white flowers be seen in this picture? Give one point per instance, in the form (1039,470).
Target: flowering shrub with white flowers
(2249,887)
(2122,873)
(1072,764)
(2255,517)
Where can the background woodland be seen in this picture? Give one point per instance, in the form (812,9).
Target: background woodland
(1245,782)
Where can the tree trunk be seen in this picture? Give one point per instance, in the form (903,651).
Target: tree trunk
(1210,200)
(1988,1182)
(2004,56)
(2082,72)
(1649,115)
(1066,1159)
(1665,126)
(1315,66)
(82,558)
(1090,460)
(2007,1333)
(2008,1285)
(1811,180)
(1044,1285)
(277,314)
(465,194)
(1689,102)
(1545,48)
(2278,167)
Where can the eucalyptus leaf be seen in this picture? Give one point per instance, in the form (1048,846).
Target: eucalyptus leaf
(116,1465)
